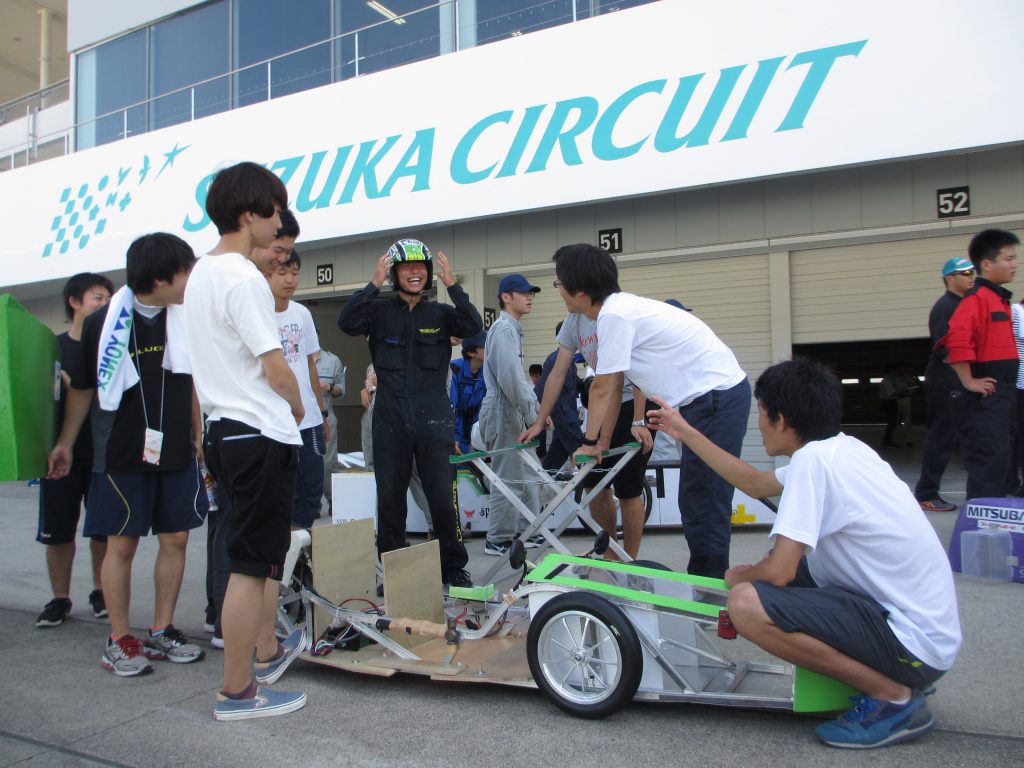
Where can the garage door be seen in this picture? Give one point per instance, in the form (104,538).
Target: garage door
(868,292)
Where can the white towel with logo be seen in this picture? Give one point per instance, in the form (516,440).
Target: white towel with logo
(115,372)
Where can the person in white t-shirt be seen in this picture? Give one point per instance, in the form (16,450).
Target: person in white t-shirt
(253,409)
(857,585)
(300,344)
(667,352)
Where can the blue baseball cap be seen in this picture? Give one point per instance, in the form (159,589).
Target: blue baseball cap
(678,305)
(956,264)
(516,283)
(475,341)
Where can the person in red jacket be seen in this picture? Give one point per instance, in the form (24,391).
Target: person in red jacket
(982,351)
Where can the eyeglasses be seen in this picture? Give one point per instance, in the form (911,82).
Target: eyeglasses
(557,284)
(966,273)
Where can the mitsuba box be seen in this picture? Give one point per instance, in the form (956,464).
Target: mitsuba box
(988,540)
(29,391)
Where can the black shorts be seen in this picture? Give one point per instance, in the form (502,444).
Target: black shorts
(135,504)
(258,476)
(629,483)
(852,623)
(60,506)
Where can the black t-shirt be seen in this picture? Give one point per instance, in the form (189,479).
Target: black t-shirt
(70,349)
(119,436)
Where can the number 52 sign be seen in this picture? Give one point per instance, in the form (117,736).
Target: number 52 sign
(952,202)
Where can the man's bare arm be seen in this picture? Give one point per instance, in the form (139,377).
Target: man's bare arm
(752,481)
(778,567)
(552,389)
(282,381)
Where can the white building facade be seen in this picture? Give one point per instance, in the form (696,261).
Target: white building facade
(795,172)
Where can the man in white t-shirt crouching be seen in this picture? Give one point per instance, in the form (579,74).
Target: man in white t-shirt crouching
(856,586)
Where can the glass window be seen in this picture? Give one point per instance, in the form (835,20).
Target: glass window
(188,49)
(500,19)
(267,28)
(386,34)
(588,8)
(109,78)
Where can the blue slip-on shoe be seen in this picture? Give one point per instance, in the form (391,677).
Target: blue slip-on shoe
(873,723)
(266,703)
(269,672)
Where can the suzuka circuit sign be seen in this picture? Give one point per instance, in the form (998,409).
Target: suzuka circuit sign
(658,98)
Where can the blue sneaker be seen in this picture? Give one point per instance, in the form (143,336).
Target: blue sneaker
(873,723)
(269,672)
(266,703)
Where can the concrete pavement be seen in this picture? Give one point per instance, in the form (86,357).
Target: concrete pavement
(59,708)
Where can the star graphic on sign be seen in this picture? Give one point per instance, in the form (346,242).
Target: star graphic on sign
(171,157)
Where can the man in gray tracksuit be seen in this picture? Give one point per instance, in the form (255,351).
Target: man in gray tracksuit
(508,408)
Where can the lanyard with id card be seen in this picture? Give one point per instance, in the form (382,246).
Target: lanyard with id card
(154,439)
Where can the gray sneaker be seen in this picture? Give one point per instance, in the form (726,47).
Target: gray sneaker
(172,645)
(124,657)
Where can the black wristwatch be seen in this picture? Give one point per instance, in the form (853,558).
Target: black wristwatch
(589,441)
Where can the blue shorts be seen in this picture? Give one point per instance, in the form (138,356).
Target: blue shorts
(135,504)
(852,623)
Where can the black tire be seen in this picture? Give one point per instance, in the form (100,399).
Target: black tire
(652,564)
(567,636)
(648,494)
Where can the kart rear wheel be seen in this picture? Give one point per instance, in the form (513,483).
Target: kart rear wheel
(584,655)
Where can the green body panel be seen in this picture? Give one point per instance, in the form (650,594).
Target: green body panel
(812,692)
(549,571)
(29,355)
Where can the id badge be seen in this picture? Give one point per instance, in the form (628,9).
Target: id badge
(151,448)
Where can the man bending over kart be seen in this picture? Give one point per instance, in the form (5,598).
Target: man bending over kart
(856,585)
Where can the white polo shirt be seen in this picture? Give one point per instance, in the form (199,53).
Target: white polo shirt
(229,312)
(664,350)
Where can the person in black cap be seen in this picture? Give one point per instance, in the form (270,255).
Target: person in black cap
(508,407)
(410,347)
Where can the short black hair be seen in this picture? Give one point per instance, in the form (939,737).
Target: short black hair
(587,268)
(536,368)
(807,393)
(159,256)
(986,245)
(243,188)
(77,286)
(289,224)
(293,257)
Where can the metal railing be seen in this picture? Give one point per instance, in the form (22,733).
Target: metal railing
(35,101)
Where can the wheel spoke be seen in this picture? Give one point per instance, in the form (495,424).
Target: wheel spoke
(562,645)
(568,629)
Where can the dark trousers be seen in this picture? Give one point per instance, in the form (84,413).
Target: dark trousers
(564,442)
(705,499)
(422,428)
(217,567)
(1013,480)
(890,409)
(309,479)
(985,428)
(939,442)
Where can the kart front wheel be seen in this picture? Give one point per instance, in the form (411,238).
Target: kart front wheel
(584,655)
